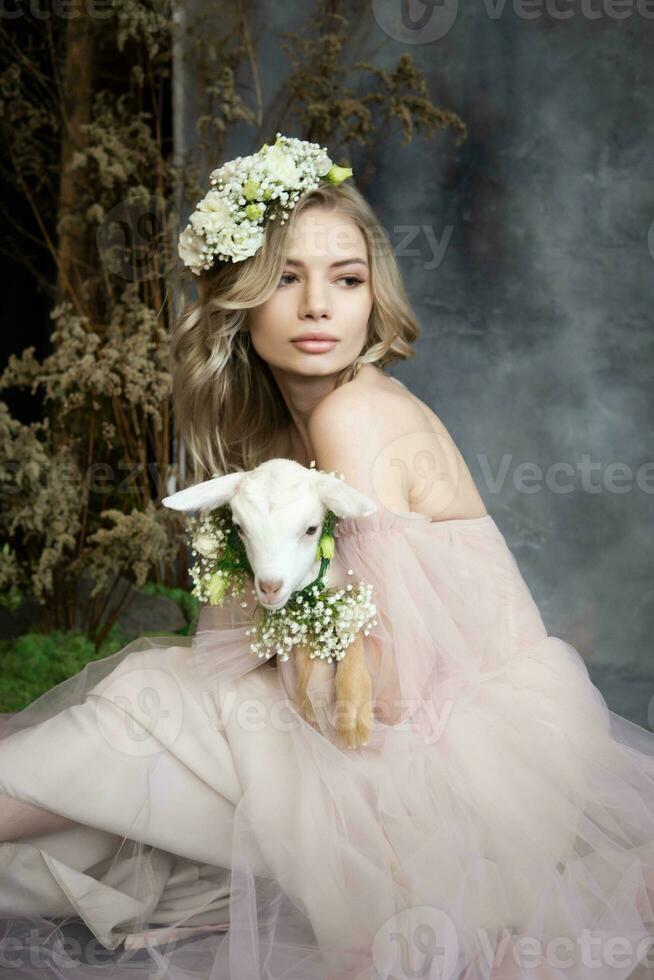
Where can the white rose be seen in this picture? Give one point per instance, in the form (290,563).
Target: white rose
(200,222)
(204,544)
(281,167)
(240,241)
(190,250)
(214,203)
(209,223)
(323,163)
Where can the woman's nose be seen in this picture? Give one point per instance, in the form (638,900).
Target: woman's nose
(315,303)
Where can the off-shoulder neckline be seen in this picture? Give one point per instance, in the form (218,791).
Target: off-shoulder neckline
(385,519)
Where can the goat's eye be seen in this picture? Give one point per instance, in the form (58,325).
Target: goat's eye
(237,527)
(312,529)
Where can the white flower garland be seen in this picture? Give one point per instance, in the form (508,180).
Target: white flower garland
(327,622)
(325,619)
(228,222)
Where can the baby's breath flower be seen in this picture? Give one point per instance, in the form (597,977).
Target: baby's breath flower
(327,636)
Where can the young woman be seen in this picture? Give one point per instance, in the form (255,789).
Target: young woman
(500,821)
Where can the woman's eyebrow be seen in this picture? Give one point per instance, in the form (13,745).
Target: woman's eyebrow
(333,264)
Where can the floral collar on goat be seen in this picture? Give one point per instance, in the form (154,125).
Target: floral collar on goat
(325,619)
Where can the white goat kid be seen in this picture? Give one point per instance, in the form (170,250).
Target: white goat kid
(278,509)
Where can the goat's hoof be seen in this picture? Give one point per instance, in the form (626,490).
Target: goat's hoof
(355,726)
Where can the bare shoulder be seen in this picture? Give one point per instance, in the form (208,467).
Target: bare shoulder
(375,407)
(359,399)
(392,446)
(350,429)
(365,414)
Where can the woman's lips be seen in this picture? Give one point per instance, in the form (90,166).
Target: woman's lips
(315,346)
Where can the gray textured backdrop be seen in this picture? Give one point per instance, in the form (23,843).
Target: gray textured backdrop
(530,267)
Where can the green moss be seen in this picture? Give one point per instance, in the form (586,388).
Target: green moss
(33,663)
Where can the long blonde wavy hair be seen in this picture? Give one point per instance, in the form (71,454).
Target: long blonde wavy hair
(228,409)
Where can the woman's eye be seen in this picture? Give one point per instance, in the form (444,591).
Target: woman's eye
(352,281)
(312,529)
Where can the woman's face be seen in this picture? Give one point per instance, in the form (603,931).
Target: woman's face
(324,288)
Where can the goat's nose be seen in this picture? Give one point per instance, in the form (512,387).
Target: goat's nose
(270,586)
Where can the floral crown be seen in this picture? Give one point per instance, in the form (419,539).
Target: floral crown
(247,191)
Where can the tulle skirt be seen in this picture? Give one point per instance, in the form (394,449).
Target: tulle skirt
(499,824)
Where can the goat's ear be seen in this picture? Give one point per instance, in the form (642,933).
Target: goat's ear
(205,496)
(343,499)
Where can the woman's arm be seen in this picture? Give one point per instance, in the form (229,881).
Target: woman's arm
(19,819)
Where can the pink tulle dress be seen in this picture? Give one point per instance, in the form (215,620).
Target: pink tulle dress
(498,825)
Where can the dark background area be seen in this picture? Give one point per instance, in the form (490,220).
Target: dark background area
(24,309)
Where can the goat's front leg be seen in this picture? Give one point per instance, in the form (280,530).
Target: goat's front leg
(304,665)
(354,696)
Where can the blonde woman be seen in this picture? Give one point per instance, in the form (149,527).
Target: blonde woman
(172,797)
(245,391)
